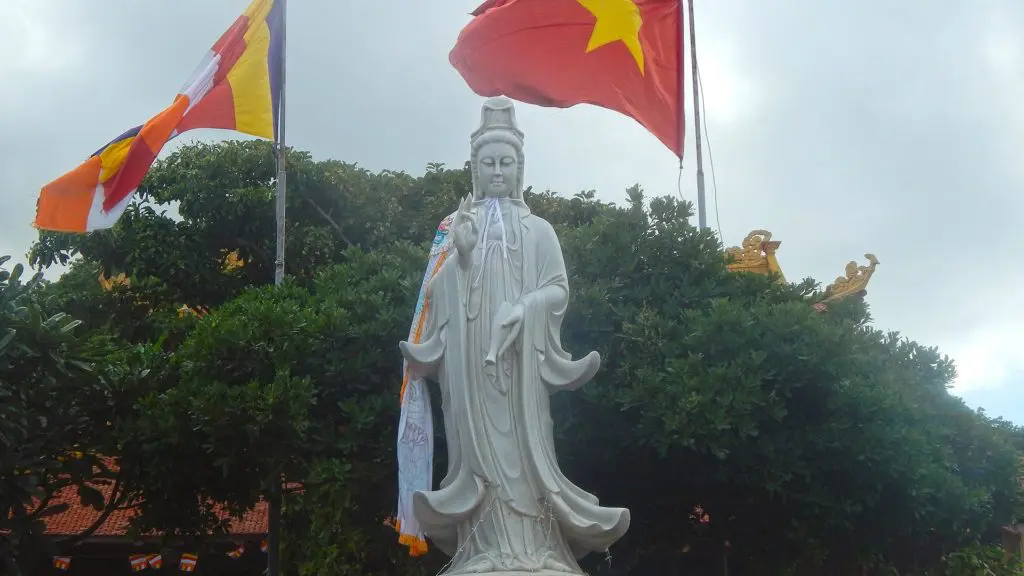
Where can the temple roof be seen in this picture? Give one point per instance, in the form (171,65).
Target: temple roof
(78,517)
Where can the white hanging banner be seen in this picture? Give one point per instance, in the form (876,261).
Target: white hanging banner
(416,425)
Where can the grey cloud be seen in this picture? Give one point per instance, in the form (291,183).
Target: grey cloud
(866,127)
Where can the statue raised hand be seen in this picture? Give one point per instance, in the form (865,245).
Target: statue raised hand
(464,231)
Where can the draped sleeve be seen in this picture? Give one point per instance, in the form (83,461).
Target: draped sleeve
(545,311)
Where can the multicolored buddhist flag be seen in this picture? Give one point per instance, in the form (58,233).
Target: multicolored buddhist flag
(236,87)
(624,55)
(188,562)
(62,563)
(138,562)
(155,561)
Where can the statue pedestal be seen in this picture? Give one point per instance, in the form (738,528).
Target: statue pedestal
(518,573)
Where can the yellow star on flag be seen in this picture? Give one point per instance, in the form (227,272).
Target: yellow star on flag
(617,20)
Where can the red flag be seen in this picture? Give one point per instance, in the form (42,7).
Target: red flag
(624,55)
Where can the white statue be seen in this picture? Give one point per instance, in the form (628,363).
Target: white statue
(491,338)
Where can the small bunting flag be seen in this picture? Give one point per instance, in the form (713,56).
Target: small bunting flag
(264,545)
(139,562)
(188,562)
(237,552)
(156,561)
(62,563)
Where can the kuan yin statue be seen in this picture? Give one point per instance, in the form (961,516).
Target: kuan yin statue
(491,338)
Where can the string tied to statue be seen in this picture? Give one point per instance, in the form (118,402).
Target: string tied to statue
(492,213)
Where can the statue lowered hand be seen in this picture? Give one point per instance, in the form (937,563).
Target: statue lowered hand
(513,322)
(508,323)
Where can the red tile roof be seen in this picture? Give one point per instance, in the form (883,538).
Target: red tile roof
(78,518)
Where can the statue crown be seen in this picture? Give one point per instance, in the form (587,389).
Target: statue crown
(498,114)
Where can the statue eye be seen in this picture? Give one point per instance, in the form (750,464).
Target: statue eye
(507,161)
(488,162)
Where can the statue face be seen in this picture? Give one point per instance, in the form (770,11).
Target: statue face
(497,169)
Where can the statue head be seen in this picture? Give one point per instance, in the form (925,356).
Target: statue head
(496,152)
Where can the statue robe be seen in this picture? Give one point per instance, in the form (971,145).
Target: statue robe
(504,498)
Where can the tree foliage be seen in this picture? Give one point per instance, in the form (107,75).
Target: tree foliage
(978,560)
(52,407)
(738,424)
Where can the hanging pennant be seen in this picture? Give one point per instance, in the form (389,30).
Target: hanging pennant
(155,561)
(263,545)
(188,562)
(62,563)
(139,562)
(237,552)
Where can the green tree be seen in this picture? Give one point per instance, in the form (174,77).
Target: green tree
(50,403)
(977,560)
(811,442)
(791,429)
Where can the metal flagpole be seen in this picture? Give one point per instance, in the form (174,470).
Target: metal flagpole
(702,218)
(681,99)
(281,175)
(274,503)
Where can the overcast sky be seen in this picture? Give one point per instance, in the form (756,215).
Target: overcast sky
(894,128)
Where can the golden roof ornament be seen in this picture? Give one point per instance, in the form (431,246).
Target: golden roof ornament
(855,282)
(117,281)
(757,255)
(231,261)
(197,311)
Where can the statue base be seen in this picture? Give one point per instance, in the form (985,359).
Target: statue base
(516,573)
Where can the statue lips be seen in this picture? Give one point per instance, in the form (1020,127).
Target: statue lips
(498,185)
